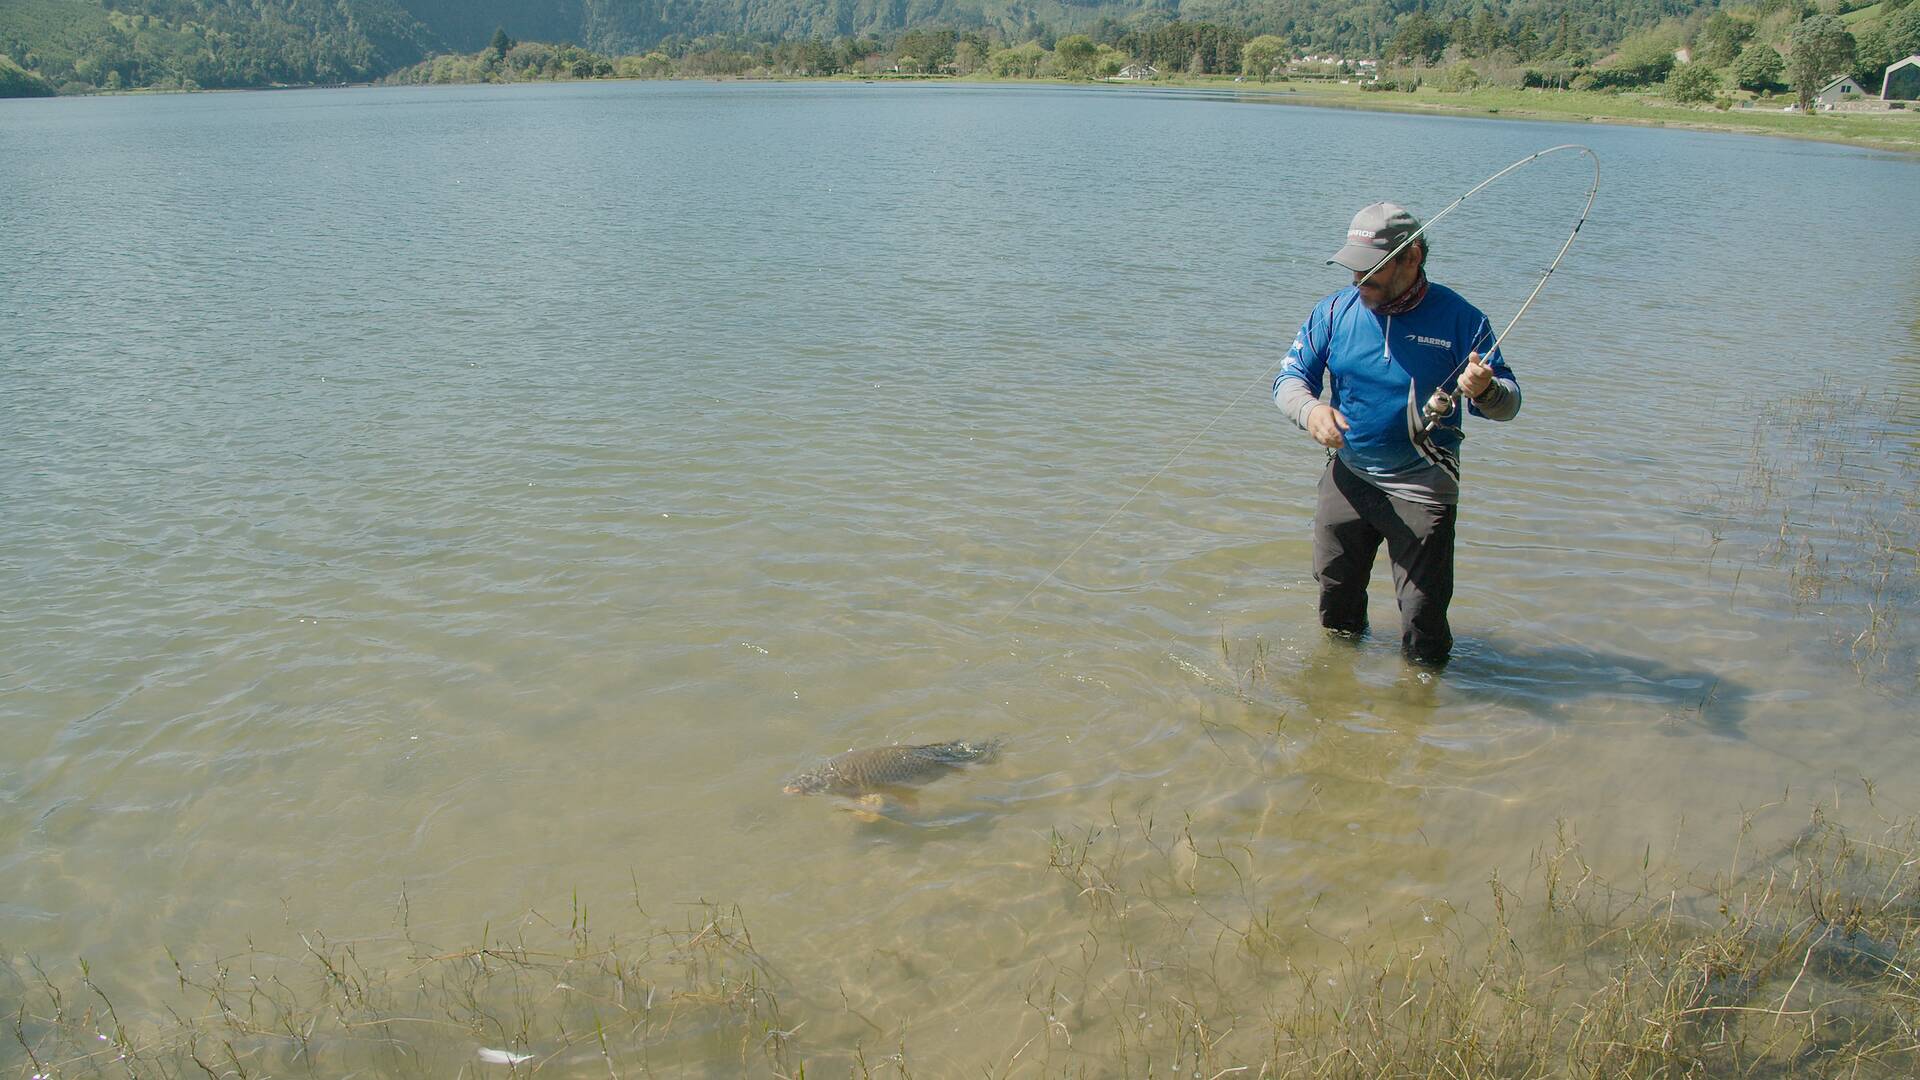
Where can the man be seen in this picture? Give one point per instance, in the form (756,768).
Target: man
(1389,341)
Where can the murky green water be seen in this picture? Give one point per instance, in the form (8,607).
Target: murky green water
(459,501)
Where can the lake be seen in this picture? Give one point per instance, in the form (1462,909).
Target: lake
(440,515)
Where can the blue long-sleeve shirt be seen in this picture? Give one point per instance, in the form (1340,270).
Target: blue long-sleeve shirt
(1383,368)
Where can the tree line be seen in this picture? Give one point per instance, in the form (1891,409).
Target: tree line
(75,46)
(214,44)
(105,44)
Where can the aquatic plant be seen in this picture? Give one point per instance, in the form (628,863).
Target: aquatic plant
(1827,496)
(1797,963)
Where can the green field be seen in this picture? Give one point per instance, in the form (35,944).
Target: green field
(1885,131)
(1859,15)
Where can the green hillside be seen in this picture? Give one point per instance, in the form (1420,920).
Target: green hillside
(16,81)
(78,44)
(83,45)
(465,25)
(109,44)
(49,35)
(1347,26)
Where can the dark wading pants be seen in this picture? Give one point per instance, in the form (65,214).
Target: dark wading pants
(1352,518)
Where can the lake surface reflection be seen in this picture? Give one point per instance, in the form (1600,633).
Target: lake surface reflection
(433,506)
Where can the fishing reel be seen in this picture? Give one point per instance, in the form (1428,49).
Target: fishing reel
(1439,406)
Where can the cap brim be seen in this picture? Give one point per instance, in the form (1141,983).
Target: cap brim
(1358,258)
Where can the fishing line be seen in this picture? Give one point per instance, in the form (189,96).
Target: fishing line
(1438,394)
(1440,404)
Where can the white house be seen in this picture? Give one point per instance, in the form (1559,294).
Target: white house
(1832,93)
(1903,80)
(1137,71)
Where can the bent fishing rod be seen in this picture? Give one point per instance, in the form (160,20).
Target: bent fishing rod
(1439,405)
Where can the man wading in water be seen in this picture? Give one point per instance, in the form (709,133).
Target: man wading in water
(1389,344)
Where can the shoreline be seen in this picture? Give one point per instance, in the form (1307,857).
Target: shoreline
(1894,132)
(1890,132)
(1591,108)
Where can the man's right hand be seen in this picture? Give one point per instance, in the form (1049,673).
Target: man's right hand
(1326,424)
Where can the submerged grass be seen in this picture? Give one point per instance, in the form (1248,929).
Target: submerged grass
(1798,964)
(542,997)
(1828,495)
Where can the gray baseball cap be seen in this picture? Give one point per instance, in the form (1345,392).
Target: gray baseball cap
(1375,232)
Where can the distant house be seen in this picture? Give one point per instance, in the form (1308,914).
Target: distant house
(1903,81)
(1137,71)
(1837,90)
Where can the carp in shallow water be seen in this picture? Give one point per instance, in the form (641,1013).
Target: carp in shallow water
(863,772)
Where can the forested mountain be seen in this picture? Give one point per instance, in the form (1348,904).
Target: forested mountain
(77,45)
(209,43)
(1348,26)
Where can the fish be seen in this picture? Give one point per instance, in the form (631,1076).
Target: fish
(859,773)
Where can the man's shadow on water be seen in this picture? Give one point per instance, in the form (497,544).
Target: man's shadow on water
(1681,697)
(1544,678)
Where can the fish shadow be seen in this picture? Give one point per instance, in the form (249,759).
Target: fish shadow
(908,816)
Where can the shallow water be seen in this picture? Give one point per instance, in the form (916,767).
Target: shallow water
(487,496)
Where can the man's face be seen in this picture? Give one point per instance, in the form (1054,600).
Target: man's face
(1391,279)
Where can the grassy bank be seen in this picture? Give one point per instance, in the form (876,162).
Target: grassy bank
(1896,131)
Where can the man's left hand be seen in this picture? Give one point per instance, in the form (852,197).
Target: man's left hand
(1477,377)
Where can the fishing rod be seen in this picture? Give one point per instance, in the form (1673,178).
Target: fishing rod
(1441,402)
(1439,405)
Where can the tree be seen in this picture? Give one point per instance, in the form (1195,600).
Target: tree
(1565,40)
(1822,48)
(1485,34)
(1526,40)
(654,65)
(1894,39)
(500,43)
(1259,57)
(1461,77)
(1021,61)
(1720,40)
(855,51)
(1074,54)
(1903,31)
(928,50)
(968,56)
(1643,59)
(1419,39)
(816,58)
(1693,84)
(1758,69)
